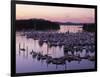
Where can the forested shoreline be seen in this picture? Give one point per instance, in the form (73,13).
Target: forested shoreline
(41,24)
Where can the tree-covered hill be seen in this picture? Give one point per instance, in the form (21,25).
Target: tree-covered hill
(36,24)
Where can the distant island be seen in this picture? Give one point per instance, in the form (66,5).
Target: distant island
(42,24)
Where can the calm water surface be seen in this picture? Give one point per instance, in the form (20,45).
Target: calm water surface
(26,63)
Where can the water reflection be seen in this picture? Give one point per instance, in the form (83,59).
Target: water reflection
(71,28)
(39,55)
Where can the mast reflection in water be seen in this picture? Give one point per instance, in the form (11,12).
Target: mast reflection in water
(55,51)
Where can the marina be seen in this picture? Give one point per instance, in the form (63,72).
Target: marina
(54,50)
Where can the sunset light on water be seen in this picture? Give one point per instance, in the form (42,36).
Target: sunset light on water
(50,38)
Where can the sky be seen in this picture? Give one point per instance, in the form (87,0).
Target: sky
(55,13)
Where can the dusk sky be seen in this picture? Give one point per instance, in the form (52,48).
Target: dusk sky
(53,13)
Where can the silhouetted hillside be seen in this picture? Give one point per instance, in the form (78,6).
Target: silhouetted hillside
(36,24)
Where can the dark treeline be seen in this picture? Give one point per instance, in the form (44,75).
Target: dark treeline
(36,24)
(89,27)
